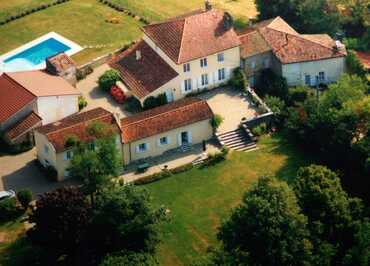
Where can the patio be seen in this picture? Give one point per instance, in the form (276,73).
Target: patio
(172,158)
(231,105)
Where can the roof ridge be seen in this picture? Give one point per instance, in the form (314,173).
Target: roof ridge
(64,128)
(9,78)
(182,39)
(315,41)
(194,100)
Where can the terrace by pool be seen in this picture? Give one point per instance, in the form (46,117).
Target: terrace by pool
(32,55)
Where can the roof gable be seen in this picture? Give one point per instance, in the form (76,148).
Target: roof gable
(41,83)
(193,36)
(13,97)
(76,125)
(146,74)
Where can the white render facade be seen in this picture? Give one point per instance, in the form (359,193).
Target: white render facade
(54,108)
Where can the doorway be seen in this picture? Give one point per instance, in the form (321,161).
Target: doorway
(184,137)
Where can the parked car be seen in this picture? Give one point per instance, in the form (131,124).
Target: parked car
(7,194)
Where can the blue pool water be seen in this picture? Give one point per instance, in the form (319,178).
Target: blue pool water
(32,57)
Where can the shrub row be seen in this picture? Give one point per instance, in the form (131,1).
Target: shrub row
(128,12)
(211,160)
(32,10)
(164,174)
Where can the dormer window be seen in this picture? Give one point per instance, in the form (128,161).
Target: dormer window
(187,67)
(203,62)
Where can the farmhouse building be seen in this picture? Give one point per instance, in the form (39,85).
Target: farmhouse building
(303,59)
(29,99)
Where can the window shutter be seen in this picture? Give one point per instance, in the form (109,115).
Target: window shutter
(168,140)
(183,86)
(159,142)
(190,137)
(147,146)
(200,82)
(179,139)
(65,156)
(137,149)
(194,85)
(215,76)
(227,74)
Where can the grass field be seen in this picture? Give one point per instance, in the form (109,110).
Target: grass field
(201,198)
(83,21)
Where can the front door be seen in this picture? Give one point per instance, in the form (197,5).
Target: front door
(184,137)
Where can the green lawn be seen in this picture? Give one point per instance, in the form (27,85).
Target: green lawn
(156,10)
(14,7)
(83,21)
(201,198)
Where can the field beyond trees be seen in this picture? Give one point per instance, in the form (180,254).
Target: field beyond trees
(85,21)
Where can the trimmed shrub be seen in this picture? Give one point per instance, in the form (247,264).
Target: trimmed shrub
(132,105)
(108,79)
(152,102)
(259,130)
(24,197)
(216,121)
(8,209)
(238,81)
(82,103)
(298,94)
(51,173)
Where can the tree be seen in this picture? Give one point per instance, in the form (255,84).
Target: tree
(108,79)
(278,107)
(268,228)
(271,84)
(328,208)
(97,161)
(354,66)
(129,259)
(60,220)
(124,220)
(216,121)
(24,197)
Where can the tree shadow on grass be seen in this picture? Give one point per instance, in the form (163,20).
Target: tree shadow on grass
(296,157)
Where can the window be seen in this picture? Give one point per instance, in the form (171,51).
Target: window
(204,79)
(163,141)
(253,64)
(187,84)
(68,155)
(91,146)
(203,62)
(142,147)
(221,74)
(186,67)
(307,80)
(46,149)
(66,173)
(220,57)
(321,76)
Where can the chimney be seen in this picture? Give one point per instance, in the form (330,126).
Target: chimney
(138,55)
(228,21)
(208,5)
(250,21)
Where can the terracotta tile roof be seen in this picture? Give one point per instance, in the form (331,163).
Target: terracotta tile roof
(58,132)
(253,43)
(364,59)
(145,75)
(164,118)
(31,121)
(290,46)
(41,83)
(193,36)
(13,97)
(60,62)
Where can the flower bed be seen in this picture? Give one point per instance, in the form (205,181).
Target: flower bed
(117,94)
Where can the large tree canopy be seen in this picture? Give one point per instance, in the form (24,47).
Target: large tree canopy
(268,228)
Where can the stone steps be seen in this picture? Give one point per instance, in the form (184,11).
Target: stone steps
(237,140)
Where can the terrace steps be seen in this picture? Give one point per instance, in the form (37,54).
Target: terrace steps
(237,140)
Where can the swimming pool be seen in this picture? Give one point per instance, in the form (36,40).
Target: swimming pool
(32,55)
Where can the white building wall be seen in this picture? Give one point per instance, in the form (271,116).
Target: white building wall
(53,108)
(295,73)
(231,61)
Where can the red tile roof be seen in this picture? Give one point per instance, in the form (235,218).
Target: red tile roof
(164,118)
(290,46)
(13,97)
(76,125)
(41,83)
(60,62)
(252,44)
(31,121)
(193,36)
(364,59)
(145,75)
